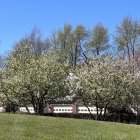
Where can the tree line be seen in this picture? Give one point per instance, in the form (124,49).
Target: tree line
(79,63)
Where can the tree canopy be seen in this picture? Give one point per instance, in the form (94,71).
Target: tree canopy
(38,70)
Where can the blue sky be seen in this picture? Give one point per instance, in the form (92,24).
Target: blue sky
(19,17)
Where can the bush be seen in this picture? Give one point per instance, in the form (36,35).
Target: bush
(123,118)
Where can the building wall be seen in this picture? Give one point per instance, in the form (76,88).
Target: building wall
(83,109)
(74,108)
(2,109)
(93,109)
(62,109)
(23,109)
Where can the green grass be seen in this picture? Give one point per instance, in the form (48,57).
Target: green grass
(24,127)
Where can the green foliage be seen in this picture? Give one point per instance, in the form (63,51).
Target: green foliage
(69,44)
(104,83)
(33,78)
(127,37)
(99,41)
(36,70)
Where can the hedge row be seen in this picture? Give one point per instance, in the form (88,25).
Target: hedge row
(122,118)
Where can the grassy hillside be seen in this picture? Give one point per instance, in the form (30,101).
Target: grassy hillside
(23,127)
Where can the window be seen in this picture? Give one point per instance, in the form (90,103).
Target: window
(62,109)
(59,109)
(65,109)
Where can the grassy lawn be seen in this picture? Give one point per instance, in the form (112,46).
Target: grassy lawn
(23,127)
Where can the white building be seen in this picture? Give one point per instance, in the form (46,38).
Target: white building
(2,109)
(23,109)
(62,109)
(83,109)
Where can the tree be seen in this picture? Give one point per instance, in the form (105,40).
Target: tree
(68,43)
(127,37)
(33,77)
(3,99)
(80,35)
(106,84)
(64,45)
(136,90)
(99,41)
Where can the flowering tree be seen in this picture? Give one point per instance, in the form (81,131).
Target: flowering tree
(33,78)
(106,84)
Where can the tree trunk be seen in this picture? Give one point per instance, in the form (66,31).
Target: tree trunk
(124,55)
(104,112)
(97,51)
(71,56)
(39,106)
(27,109)
(88,110)
(97,116)
(41,109)
(101,112)
(128,52)
(86,105)
(97,108)
(133,53)
(75,57)
(34,103)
